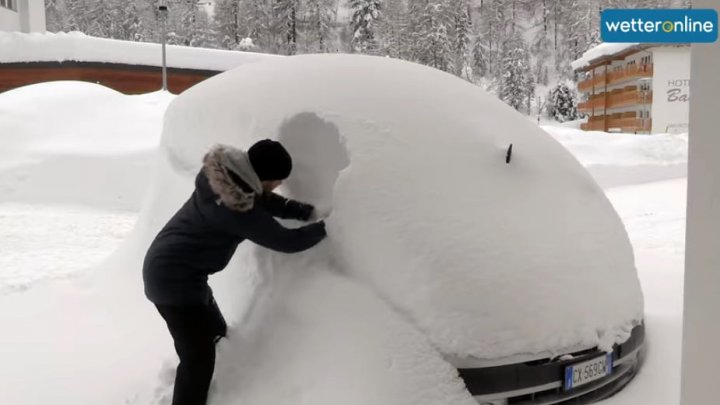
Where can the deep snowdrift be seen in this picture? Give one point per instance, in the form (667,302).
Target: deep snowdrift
(487,259)
(623,159)
(78,143)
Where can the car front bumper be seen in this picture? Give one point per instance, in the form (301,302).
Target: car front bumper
(540,382)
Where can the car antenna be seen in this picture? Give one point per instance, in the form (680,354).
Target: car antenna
(508,157)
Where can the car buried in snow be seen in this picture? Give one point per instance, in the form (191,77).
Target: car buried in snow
(468,219)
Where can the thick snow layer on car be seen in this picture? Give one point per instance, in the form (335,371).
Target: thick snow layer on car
(486,259)
(76,46)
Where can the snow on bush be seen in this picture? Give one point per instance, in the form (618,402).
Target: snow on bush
(436,247)
(562,102)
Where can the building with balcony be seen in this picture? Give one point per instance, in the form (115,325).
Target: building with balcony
(22,15)
(634,88)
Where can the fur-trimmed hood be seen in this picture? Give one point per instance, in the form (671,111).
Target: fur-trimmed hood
(222,162)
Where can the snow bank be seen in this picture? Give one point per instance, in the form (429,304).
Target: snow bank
(76,46)
(77,142)
(485,258)
(622,159)
(604,49)
(602,148)
(317,337)
(43,242)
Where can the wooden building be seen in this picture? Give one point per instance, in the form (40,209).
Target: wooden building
(635,88)
(128,67)
(125,78)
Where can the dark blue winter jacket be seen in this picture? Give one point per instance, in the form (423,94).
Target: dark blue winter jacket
(201,238)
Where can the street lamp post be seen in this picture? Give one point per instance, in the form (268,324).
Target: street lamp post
(163,16)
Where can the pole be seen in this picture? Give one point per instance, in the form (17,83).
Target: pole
(164,59)
(163,24)
(701,329)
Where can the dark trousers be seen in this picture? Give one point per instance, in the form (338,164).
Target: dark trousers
(195,330)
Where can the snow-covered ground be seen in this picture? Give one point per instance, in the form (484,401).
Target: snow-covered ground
(90,337)
(40,242)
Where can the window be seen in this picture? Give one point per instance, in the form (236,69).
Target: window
(11,4)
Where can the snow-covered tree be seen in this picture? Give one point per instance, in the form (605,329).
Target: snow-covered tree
(392,29)
(56,15)
(517,85)
(286,25)
(258,18)
(365,14)
(562,102)
(227,23)
(541,46)
(463,31)
(189,25)
(247,45)
(479,58)
(431,27)
(126,22)
(79,14)
(319,17)
(493,26)
(541,72)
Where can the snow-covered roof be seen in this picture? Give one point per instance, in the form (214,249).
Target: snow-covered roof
(604,49)
(76,46)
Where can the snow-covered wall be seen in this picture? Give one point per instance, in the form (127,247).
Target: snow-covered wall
(76,46)
(28,16)
(671,88)
(9,20)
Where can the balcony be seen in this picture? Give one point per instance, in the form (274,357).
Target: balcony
(631,124)
(593,126)
(595,123)
(630,73)
(627,98)
(618,76)
(627,122)
(587,85)
(596,102)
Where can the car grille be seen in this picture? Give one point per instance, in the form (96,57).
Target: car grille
(540,382)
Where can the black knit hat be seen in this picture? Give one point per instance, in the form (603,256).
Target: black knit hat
(270,160)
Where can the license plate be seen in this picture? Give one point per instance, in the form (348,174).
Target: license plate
(586,372)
